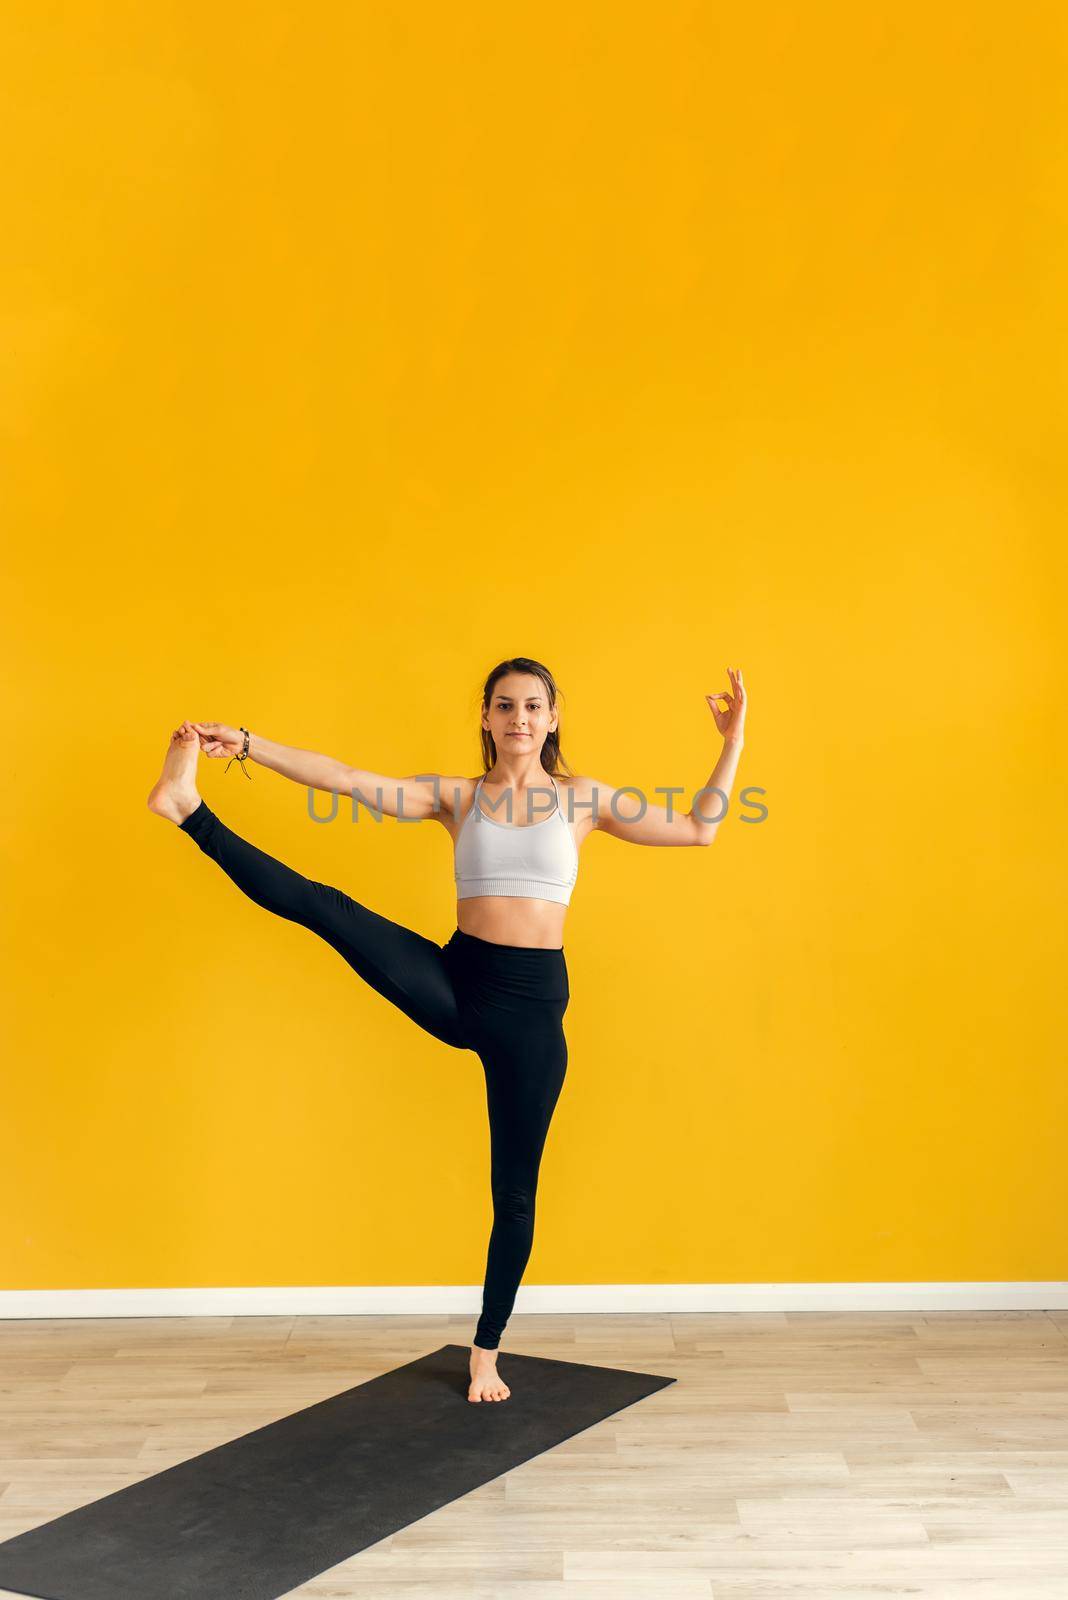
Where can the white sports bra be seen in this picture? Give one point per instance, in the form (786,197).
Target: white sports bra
(538,861)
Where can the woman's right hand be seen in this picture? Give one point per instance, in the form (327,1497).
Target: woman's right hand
(216,739)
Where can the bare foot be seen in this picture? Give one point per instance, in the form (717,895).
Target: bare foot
(486,1382)
(175,795)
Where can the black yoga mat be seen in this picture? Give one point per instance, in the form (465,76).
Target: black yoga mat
(257,1517)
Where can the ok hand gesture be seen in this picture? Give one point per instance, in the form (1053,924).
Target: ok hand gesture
(730,722)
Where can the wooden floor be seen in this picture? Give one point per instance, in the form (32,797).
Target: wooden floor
(798,1454)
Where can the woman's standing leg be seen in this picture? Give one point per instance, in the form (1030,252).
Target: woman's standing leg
(525,1066)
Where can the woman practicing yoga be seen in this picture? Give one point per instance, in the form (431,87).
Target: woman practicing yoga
(499,986)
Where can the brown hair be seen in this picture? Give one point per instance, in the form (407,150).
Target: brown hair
(552,758)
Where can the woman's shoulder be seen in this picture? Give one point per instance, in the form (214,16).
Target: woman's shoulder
(453,794)
(586,799)
(577,782)
(576,790)
(459,790)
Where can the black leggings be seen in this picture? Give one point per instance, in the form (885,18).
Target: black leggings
(506,1002)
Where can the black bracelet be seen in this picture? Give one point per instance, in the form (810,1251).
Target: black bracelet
(243,757)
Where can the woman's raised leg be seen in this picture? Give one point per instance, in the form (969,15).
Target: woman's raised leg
(403,966)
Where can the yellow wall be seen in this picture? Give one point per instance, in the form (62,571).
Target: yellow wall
(349,350)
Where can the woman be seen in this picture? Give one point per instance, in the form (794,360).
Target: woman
(499,987)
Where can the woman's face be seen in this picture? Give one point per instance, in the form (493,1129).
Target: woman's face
(519,716)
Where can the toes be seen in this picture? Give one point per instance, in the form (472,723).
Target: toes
(488,1388)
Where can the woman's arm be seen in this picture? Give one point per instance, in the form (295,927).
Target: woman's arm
(414,798)
(625,815)
(656,824)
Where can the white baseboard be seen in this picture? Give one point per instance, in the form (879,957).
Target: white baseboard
(406,1300)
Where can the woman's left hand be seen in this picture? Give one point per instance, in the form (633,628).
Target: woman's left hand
(731,723)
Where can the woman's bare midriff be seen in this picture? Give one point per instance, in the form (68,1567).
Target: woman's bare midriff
(504,919)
